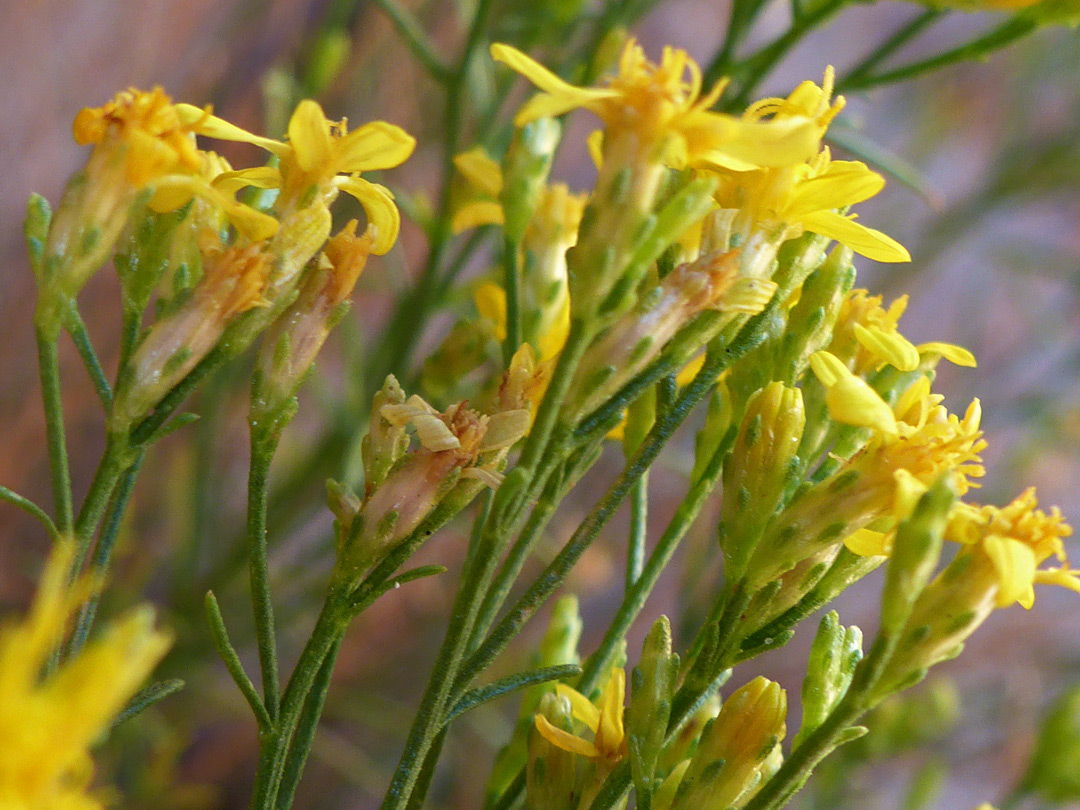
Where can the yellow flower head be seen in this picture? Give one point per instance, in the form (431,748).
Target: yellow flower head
(157,138)
(805,198)
(918,435)
(867,336)
(604,720)
(49,723)
(663,105)
(325,156)
(1017,539)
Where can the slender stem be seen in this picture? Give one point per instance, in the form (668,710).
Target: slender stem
(743,14)
(1001,36)
(760,65)
(415,39)
(262,452)
(887,48)
(77,329)
(31,508)
(305,729)
(114,461)
(49,369)
(99,562)
(639,518)
(512,284)
(275,744)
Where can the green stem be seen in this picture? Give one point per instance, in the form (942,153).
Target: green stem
(77,329)
(639,518)
(415,39)
(306,726)
(31,508)
(512,265)
(901,37)
(262,453)
(114,461)
(275,744)
(1001,36)
(49,369)
(743,14)
(760,65)
(99,562)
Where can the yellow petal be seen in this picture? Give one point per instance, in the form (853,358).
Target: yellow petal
(868,543)
(475,214)
(563,739)
(843,183)
(374,146)
(892,347)
(309,134)
(213,127)
(1014,563)
(1059,576)
(741,145)
(479,169)
(379,206)
(868,242)
(558,97)
(580,706)
(257,177)
(950,351)
(611,732)
(553,340)
(490,300)
(849,399)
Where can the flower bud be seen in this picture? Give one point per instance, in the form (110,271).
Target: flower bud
(525,172)
(833,656)
(915,554)
(652,687)
(385,441)
(233,282)
(735,747)
(758,471)
(558,646)
(295,338)
(551,773)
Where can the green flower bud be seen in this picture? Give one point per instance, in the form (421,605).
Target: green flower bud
(385,441)
(713,432)
(653,684)
(835,652)
(525,173)
(559,646)
(551,773)
(735,748)
(757,471)
(915,555)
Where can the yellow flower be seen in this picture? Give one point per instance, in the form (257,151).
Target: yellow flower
(157,139)
(324,156)
(49,723)
(917,435)
(485,175)
(664,106)
(867,336)
(604,720)
(805,198)
(1017,539)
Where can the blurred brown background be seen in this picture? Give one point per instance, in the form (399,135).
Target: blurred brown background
(996,251)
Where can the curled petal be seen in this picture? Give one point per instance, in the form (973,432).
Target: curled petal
(258,177)
(580,706)
(892,347)
(558,96)
(564,739)
(950,351)
(1014,563)
(379,206)
(741,145)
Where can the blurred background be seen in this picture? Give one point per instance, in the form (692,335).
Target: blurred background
(985,193)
